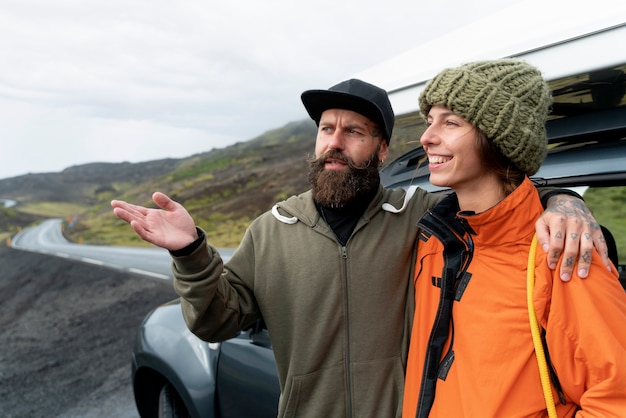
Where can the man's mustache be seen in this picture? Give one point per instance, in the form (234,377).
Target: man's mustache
(338,155)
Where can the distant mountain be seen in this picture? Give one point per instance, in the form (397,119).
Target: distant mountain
(79,183)
(83,183)
(223,189)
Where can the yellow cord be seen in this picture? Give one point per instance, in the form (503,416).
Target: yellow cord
(534,329)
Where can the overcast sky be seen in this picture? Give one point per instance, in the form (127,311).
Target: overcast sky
(86,81)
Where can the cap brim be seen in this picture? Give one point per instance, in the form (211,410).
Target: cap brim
(317,101)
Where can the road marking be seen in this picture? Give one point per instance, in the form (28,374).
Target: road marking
(149,273)
(92,261)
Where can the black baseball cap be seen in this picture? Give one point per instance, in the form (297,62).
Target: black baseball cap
(355,95)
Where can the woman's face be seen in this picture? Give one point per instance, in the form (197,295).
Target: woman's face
(451,144)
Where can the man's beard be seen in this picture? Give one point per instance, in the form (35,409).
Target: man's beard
(338,188)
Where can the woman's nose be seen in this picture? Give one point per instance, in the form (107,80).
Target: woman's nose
(428,136)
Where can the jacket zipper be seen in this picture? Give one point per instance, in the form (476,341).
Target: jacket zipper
(344,256)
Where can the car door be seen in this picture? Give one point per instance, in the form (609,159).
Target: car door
(247,382)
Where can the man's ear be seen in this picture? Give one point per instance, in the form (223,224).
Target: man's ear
(384,150)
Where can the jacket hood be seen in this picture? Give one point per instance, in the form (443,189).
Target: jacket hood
(302,208)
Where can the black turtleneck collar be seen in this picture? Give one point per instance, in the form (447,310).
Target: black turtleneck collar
(342,220)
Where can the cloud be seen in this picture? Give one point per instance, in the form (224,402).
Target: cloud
(85,81)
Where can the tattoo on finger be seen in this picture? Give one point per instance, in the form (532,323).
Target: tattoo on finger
(586,257)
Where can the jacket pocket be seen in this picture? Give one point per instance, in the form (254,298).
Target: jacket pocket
(376,391)
(378,388)
(315,395)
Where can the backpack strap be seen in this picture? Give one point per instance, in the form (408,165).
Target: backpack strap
(544,372)
(458,250)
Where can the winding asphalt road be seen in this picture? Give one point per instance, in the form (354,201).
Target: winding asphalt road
(48,238)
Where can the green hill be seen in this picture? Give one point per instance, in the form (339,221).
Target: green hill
(224,189)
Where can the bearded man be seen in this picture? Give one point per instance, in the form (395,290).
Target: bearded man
(328,270)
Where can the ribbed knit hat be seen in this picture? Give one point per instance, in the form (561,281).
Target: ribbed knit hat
(507,99)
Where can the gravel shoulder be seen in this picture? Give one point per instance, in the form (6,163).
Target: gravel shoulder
(66,332)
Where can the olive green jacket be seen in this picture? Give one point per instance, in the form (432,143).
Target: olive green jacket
(338,316)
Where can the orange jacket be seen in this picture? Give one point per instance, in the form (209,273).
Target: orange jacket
(494,370)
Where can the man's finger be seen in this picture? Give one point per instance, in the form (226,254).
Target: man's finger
(164,202)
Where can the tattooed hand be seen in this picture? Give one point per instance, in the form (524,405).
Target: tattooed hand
(567,227)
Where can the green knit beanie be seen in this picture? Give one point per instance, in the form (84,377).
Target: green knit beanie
(507,99)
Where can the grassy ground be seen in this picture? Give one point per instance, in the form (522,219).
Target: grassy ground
(609,208)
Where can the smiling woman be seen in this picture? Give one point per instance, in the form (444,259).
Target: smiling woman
(476,251)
